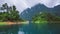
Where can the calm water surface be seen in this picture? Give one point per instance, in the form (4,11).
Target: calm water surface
(31,29)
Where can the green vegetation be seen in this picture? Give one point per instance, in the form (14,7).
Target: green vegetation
(40,18)
(3,23)
(9,13)
(45,17)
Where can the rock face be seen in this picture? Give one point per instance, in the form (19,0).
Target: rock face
(29,12)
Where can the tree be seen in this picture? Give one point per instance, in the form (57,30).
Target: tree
(11,14)
(5,7)
(40,18)
(45,17)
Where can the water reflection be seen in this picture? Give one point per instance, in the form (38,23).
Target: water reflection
(54,28)
(13,29)
(31,29)
(35,29)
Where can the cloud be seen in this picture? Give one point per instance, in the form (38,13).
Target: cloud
(50,3)
(23,4)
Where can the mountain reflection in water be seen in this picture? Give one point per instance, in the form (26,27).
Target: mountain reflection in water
(31,29)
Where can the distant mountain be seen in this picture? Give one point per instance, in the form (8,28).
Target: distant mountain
(56,9)
(29,12)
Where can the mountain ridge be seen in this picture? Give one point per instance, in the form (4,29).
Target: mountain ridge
(29,12)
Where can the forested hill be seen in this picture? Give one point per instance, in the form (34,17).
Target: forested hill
(29,12)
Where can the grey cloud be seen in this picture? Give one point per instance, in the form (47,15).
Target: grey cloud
(23,4)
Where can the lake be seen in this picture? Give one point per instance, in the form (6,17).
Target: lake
(53,28)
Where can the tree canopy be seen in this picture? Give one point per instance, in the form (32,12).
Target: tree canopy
(9,13)
(45,17)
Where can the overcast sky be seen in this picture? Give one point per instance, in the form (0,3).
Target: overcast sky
(23,4)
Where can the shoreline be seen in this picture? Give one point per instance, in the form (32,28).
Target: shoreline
(13,23)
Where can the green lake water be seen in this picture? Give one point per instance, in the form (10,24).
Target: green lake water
(31,29)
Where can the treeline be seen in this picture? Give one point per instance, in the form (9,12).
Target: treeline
(45,17)
(9,13)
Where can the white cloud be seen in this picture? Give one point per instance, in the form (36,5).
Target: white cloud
(50,3)
(23,4)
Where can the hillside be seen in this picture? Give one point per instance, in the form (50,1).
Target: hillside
(29,12)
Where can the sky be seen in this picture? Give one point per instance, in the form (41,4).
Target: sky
(23,4)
